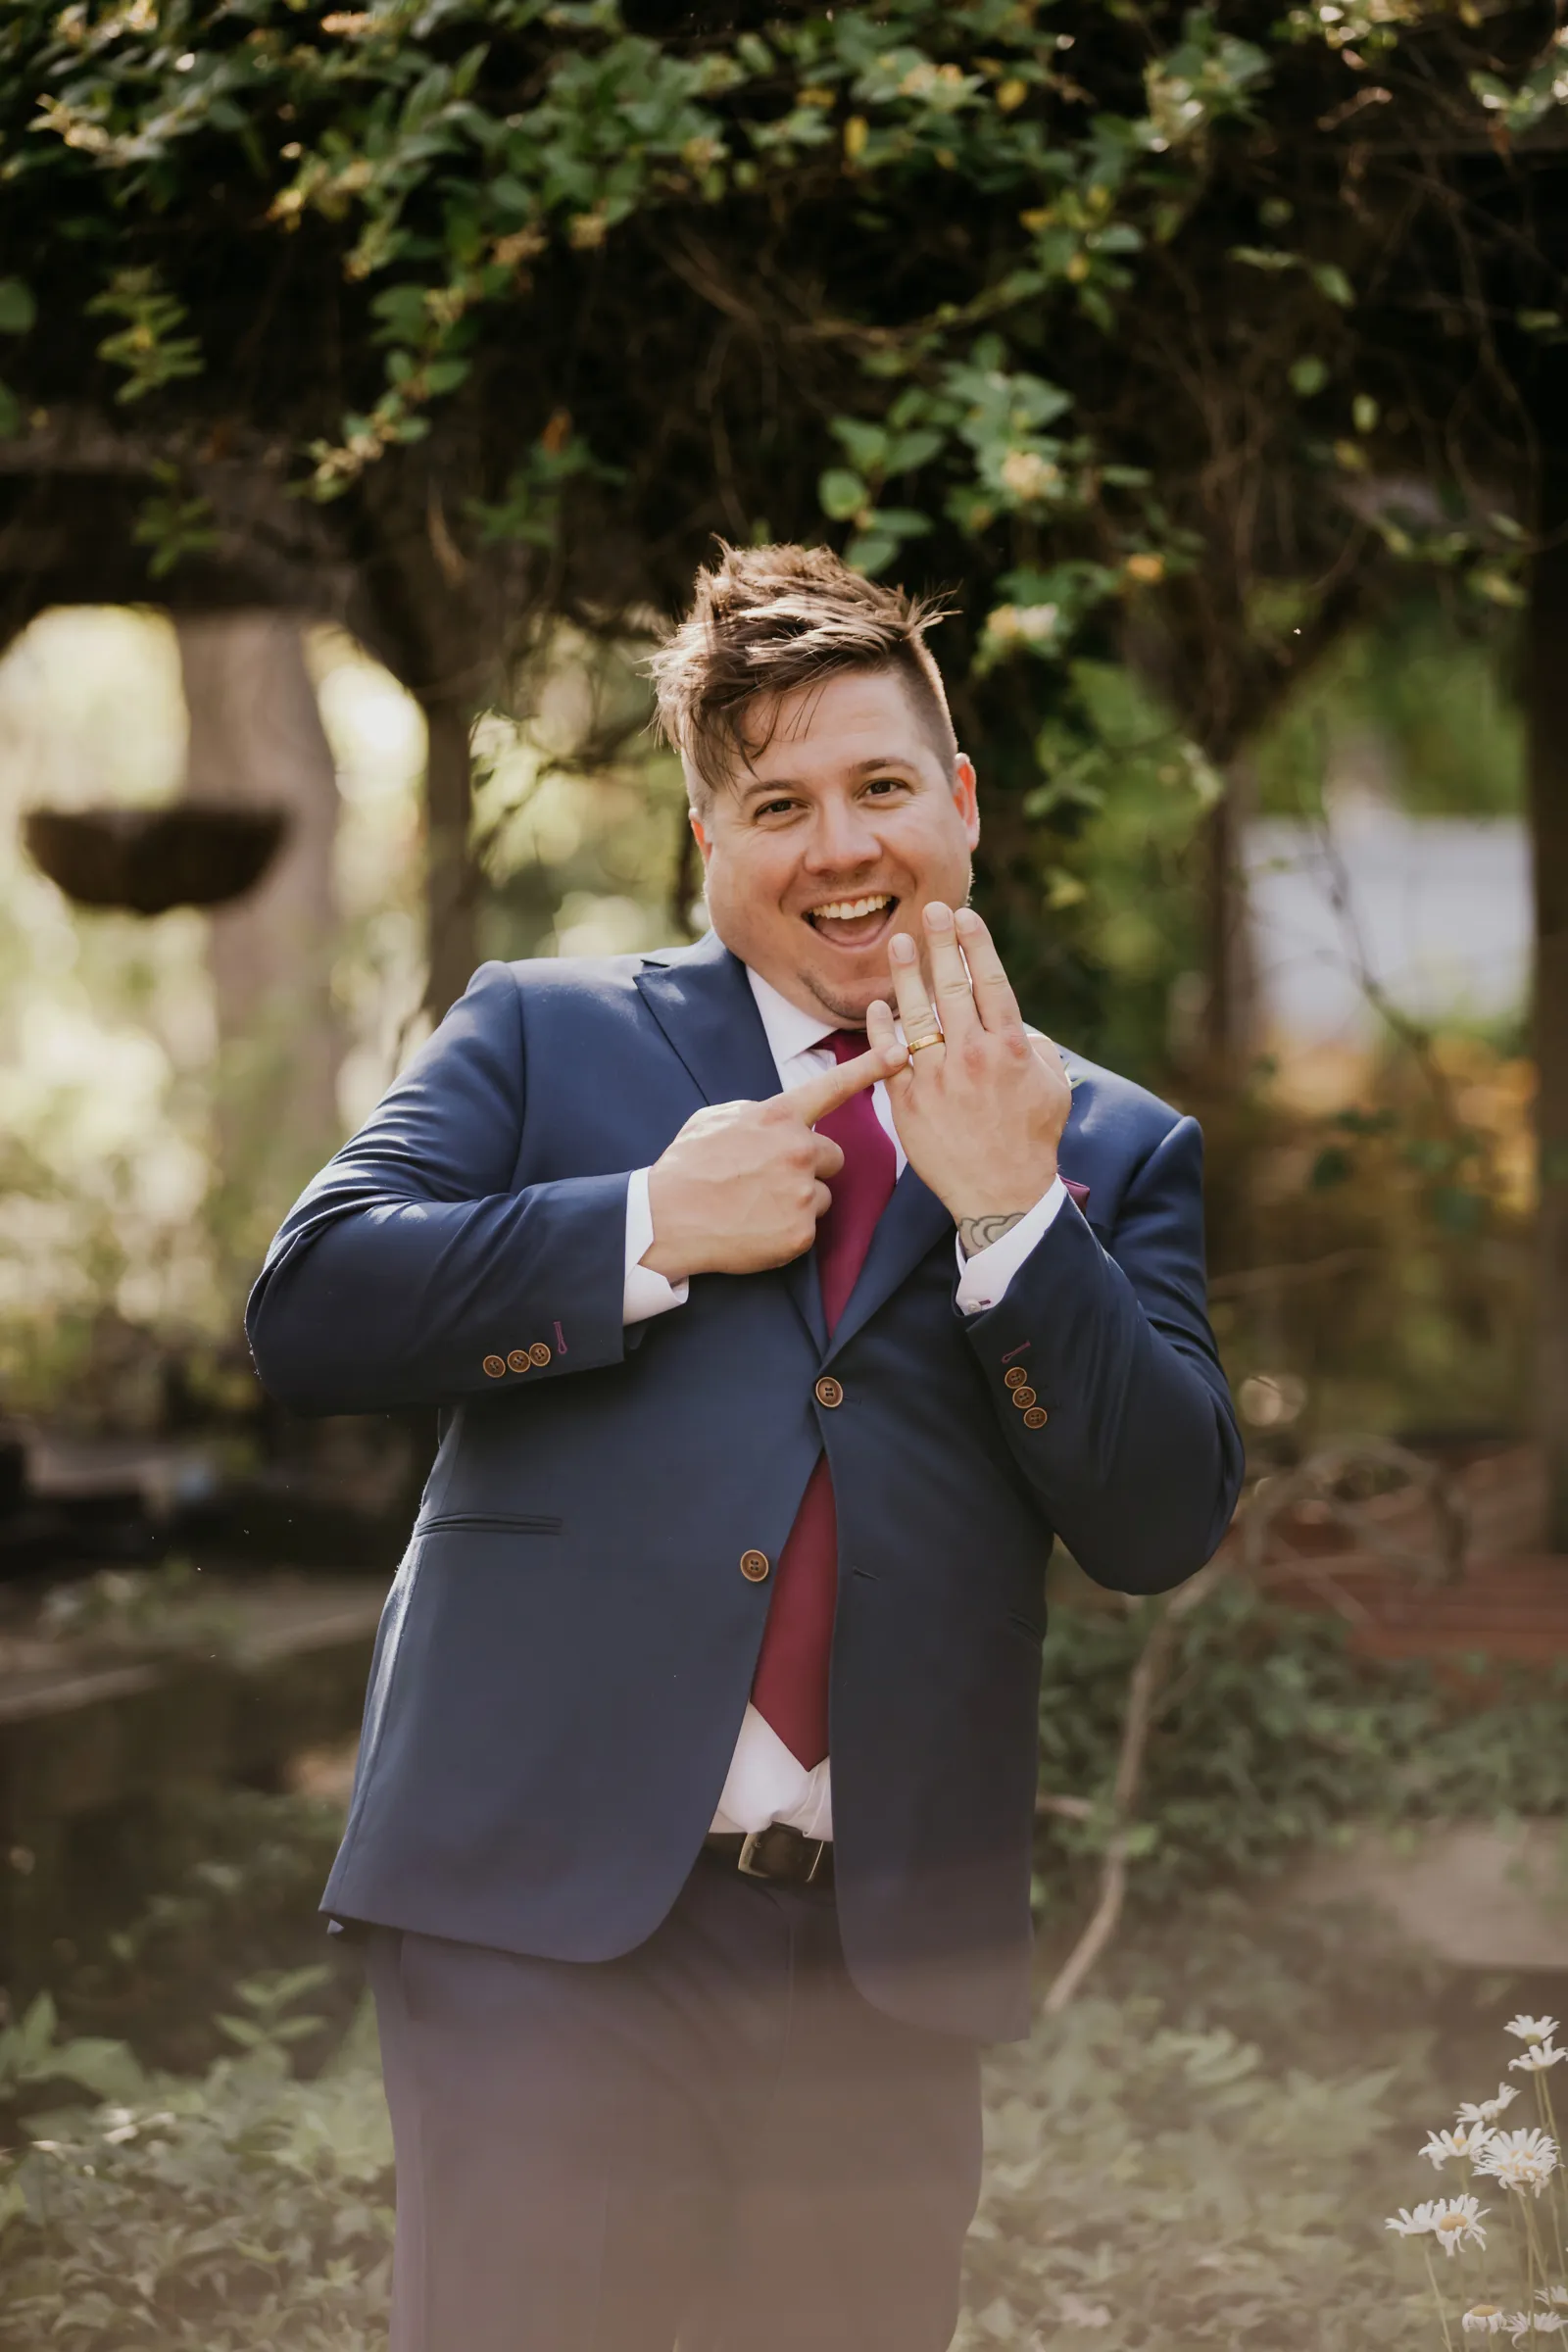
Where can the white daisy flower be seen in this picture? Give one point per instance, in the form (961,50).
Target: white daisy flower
(1551,2294)
(1453,2222)
(1549,2322)
(1520,2160)
(1484,2319)
(1465,2144)
(1531,2029)
(1536,2059)
(1487,2111)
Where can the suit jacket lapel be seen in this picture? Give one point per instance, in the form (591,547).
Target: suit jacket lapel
(702,999)
(911,1224)
(702,1002)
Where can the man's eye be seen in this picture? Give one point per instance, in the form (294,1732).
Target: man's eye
(885,784)
(774,807)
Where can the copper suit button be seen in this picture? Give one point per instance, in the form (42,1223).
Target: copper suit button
(830,1392)
(754,1566)
(1023,1399)
(539,1352)
(1017,1378)
(1036,1417)
(518,1359)
(495,1366)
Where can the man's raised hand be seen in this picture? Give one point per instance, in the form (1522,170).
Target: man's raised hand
(981,1106)
(743,1185)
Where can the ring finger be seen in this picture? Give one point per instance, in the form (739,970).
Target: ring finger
(922,1028)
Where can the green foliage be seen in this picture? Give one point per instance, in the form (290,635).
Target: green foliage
(1425,694)
(1152,2189)
(146,348)
(238,1876)
(1272,1736)
(1410,1211)
(235,2212)
(17,311)
(33,2055)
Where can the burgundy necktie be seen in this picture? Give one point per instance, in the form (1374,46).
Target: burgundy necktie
(790,1690)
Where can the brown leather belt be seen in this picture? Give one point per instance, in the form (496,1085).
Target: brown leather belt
(778,1853)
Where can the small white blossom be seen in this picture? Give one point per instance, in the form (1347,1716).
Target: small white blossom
(1467,2144)
(1520,2160)
(1549,2322)
(1536,2059)
(1453,2222)
(1487,2111)
(1029,625)
(1551,2294)
(1531,2029)
(1027,475)
(1484,2319)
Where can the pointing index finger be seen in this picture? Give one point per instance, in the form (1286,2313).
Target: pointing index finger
(816,1097)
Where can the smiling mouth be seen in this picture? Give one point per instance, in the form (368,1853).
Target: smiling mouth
(852,923)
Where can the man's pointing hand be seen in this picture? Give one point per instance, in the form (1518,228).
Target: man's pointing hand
(743,1185)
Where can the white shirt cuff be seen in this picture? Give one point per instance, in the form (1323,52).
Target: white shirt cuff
(647,1293)
(983,1278)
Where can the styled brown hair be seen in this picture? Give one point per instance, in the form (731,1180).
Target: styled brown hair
(767,620)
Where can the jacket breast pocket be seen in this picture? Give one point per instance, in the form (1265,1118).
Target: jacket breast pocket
(492,1523)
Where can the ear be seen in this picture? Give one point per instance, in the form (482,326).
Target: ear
(965,796)
(700,835)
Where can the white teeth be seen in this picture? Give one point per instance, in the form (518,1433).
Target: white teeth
(846,911)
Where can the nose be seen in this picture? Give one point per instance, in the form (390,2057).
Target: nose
(842,837)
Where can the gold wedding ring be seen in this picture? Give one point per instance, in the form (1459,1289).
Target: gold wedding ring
(918,1044)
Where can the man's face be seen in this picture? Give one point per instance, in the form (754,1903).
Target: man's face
(842,831)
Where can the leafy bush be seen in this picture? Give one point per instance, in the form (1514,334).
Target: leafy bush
(1272,1735)
(1150,2189)
(239,2211)
(240,1874)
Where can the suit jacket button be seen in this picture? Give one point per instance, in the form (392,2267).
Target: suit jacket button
(495,1366)
(1016,1378)
(1036,1417)
(830,1392)
(755,1566)
(517,1360)
(539,1352)
(1023,1399)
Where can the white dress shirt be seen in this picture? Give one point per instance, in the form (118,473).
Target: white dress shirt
(765,1781)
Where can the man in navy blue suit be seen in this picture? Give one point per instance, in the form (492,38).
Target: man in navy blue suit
(782,1298)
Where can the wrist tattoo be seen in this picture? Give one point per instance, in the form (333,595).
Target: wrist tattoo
(978,1233)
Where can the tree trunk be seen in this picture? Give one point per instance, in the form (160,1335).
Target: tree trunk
(451,890)
(256,736)
(1546,714)
(1230,1020)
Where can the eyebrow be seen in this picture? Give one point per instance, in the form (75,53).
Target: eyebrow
(761,787)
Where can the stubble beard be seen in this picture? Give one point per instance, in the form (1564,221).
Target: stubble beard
(847,1012)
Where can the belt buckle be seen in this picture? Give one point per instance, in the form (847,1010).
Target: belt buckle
(746,1859)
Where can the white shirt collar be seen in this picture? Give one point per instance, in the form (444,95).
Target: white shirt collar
(790,1031)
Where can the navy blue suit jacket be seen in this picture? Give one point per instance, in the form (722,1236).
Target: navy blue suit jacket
(566,1652)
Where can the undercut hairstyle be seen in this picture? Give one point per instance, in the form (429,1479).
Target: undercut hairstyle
(765,620)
